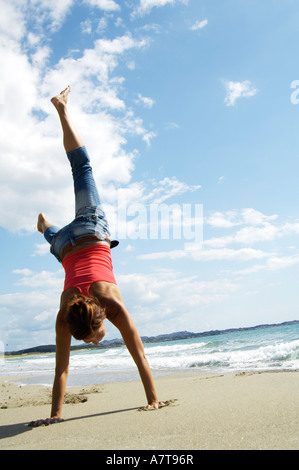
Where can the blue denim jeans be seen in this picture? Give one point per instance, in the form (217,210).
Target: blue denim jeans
(90,219)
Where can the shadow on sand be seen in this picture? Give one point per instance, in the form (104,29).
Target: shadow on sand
(10,430)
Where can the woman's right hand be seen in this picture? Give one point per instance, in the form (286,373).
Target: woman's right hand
(44,422)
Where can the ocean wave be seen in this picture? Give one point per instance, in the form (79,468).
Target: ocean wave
(263,357)
(276,348)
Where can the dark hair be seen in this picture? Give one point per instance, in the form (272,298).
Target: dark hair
(82,316)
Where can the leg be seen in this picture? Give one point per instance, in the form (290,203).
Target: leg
(87,199)
(71,138)
(86,194)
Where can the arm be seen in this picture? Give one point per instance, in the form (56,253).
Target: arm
(63,343)
(123,321)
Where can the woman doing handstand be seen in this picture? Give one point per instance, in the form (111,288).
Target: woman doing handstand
(90,292)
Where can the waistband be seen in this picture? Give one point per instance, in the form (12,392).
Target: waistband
(86,239)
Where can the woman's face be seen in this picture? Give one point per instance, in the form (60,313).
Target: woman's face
(97,336)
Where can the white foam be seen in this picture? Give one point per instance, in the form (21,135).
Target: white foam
(259,350)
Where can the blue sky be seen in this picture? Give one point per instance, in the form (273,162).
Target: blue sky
(181,103)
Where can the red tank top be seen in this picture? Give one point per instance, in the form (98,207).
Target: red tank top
(86,266)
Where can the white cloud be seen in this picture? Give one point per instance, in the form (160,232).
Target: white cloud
(198,25)
(58,10)
(28,315)
(49,13)
(11,16)
(171,297)
(254,217)
(291,227)
(45,279)
(19,314)
(41,56)
(41,249)
(32,159)
(234,218)
(131,65)
(242,254)
(236,90)
(167,188)
(259,228)
(169,126)
(106,5)
(249,235)
(148,137)
(222,220)
(145,6)
(273,263)
(282,262)
(86,26)
(139,210)
(102,25)
(147,102)
(219,254)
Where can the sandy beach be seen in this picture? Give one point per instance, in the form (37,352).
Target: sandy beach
(257,411)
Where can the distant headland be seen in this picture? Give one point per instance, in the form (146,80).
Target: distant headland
(180,335)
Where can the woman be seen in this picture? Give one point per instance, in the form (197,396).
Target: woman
(90,292)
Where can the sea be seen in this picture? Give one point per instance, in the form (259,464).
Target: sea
(270,348)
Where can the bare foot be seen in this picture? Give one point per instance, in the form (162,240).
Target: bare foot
(41,222)
(61,99)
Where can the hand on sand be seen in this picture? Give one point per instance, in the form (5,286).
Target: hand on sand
(155,406)
(45,422)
